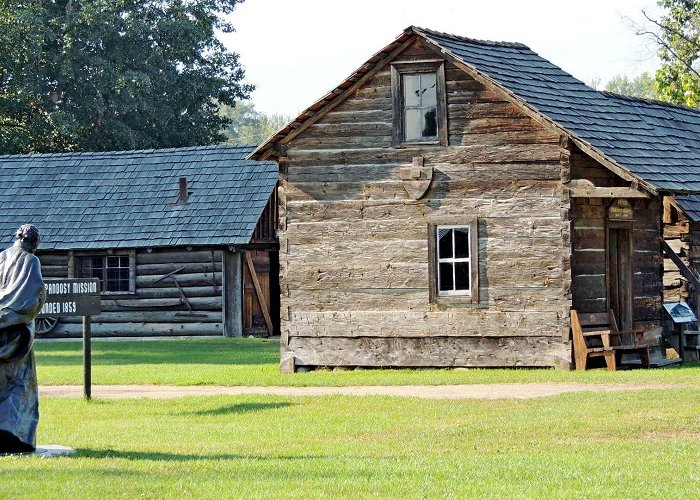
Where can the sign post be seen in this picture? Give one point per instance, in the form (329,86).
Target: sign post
(75,297)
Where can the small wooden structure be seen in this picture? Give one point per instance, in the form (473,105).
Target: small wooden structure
(183,241)
(452,199)
(597,335)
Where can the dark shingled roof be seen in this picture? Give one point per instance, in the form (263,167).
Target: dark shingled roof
(690,203)
(128,199)
(655,142)
(650,141)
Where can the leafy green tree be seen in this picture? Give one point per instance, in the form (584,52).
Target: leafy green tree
(249,126)
(114,74)
(677,33)
(643,86)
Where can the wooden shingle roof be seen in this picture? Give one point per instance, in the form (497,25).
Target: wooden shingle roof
(654,144)
(647,141)
(128,199)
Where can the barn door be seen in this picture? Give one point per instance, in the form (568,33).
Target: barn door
(258,294)
(619,273)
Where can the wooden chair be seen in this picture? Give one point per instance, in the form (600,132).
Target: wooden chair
(627,342)
(591,332)
(597,335)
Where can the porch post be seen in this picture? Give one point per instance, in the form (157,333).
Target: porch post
(232,294)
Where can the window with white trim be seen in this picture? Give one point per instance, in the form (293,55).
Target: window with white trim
(453,260)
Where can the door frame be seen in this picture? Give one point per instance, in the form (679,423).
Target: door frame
(626,321)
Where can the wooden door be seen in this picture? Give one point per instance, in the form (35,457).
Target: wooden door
(619,274)
(259,293)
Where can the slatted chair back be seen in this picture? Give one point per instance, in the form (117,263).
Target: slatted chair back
(591,336)
(621,337)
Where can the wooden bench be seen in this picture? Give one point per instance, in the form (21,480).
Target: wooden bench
(628,342)
(591,332)
(597,335)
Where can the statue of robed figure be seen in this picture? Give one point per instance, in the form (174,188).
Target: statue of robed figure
(22,295)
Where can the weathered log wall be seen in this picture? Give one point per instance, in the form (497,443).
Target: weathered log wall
(354,248)
(154,308)
(589,252)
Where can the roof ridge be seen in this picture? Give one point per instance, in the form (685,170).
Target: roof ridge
(68,154)
(419,30)
(665,104)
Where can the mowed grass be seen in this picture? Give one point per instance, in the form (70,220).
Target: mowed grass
(233,362)
(578,445)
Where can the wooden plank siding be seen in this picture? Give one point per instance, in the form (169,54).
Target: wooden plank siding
(354,248)
(141,313)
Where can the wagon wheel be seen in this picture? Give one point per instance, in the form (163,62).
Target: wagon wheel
(45,325)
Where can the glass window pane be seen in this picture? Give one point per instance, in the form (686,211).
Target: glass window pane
(428,83)
(462,276)
(411,90)
(445,277)
(445,243)
(429,123)
(412,126)
(462,243)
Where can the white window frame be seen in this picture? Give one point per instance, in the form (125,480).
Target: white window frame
(453,260)
(463,297)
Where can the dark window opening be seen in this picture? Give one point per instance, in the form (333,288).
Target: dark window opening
(113,271)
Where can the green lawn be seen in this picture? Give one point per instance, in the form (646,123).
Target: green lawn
(588,445)
(255,362)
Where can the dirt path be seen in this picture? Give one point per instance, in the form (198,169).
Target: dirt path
(474,391)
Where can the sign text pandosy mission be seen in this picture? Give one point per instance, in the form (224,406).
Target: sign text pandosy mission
(71,297)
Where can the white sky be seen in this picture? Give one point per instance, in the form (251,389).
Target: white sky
(295,51)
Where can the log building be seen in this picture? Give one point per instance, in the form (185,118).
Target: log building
(183,240)
(453,199)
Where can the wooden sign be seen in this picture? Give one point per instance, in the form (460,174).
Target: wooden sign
(71,297)
(621,210)
(416,179)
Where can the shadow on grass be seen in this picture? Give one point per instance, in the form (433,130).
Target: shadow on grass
(184,457)
(239,408)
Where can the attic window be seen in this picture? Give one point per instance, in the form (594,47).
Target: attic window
(418,91)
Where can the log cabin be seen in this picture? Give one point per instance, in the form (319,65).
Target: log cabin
(183,241)
(453,199)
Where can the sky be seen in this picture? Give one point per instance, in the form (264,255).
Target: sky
(295,51)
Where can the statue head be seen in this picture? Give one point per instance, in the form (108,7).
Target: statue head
(28,235)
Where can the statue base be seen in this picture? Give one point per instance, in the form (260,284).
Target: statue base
(45,451)
(53,450)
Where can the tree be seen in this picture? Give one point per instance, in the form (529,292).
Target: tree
(677,33)
(114,74)
(643,86)
(249,126)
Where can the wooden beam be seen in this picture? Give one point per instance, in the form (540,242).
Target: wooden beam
(233,294)
(605,192)
(259,292)
(179,269)
(686,272)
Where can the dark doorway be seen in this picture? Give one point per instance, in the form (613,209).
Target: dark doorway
(619,272)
